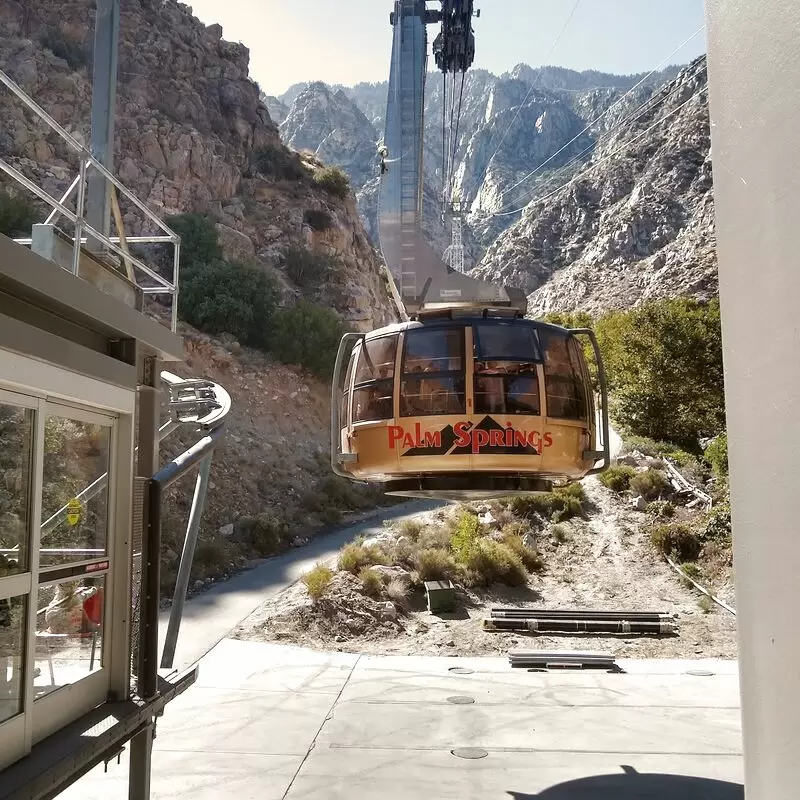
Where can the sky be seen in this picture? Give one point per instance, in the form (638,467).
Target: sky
(349,41)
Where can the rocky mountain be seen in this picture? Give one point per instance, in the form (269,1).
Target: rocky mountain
(192,135)
(635,223)
(509,125)
(330,124)
(277,110)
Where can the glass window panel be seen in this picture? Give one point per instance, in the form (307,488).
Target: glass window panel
(434,350)
(431,396)
(69,632)
(76,456)
(13,615)
(16,447)
(373,402)
(376,359)
(505,342)
(509,387)
(563,378)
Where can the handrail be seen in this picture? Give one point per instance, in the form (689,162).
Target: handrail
(336,403)
(601,379)
(81,150)
(77,218)
(219,404)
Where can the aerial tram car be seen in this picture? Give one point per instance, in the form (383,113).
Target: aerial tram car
(464,398)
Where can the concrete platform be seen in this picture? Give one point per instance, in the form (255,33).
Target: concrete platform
(267,721)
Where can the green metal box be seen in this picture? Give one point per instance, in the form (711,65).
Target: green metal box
(441,596)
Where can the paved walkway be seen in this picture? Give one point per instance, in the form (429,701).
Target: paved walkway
(267,722)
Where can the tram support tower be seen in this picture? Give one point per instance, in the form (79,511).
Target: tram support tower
(757,204)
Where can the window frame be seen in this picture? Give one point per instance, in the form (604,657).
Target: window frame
(577,373)
(476,338)
(372,382)
(446,374)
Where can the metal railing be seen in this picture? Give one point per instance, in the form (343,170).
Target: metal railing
(117,244)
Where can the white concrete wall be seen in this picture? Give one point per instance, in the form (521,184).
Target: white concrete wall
(754,74)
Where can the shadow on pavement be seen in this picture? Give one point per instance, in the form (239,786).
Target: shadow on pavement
(631,785)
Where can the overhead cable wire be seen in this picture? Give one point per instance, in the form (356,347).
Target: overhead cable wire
(603,160)
(455,139)
(648,105)
(605,113)
(530,90)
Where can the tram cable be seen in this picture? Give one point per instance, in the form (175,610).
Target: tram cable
(558,38)
(603,160)
(601,116)
(645,107)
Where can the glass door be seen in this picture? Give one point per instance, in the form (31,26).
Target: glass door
(18,423)
(74,569)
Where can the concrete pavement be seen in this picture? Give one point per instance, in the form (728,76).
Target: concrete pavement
(271,721)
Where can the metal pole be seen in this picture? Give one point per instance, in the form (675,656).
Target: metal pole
(104,98)
(79,211)
(146,466)
(185,567)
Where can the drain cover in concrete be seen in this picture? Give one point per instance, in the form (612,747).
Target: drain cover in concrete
(470,752)
(460,700)
(461,670)
(700,673)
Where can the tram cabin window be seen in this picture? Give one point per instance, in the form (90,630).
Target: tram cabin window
(564,381)
(505,377)
(374,380)
(433,372)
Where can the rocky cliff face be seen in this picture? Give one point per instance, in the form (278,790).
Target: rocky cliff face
(332,126)
(191,135)
(636,224)
(509,125)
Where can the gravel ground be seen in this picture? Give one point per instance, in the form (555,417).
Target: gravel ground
(603,562)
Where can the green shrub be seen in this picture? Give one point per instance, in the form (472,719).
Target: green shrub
(618,477)
(307,268)
(559,533)
(561,504)
(465,537)
(650,483)
(530,558)
(356,556)
(717,527)
(199,239)
(411,529)
(229,298)
(278,162)
(495,562)
(333,180)
(677,541)
(716,453)
(17,215)
(317,581)
(434,537)
(661,509)
(308,335)
(435,564)
(664,364)
(371,581)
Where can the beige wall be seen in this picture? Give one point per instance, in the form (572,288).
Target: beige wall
(754,75)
